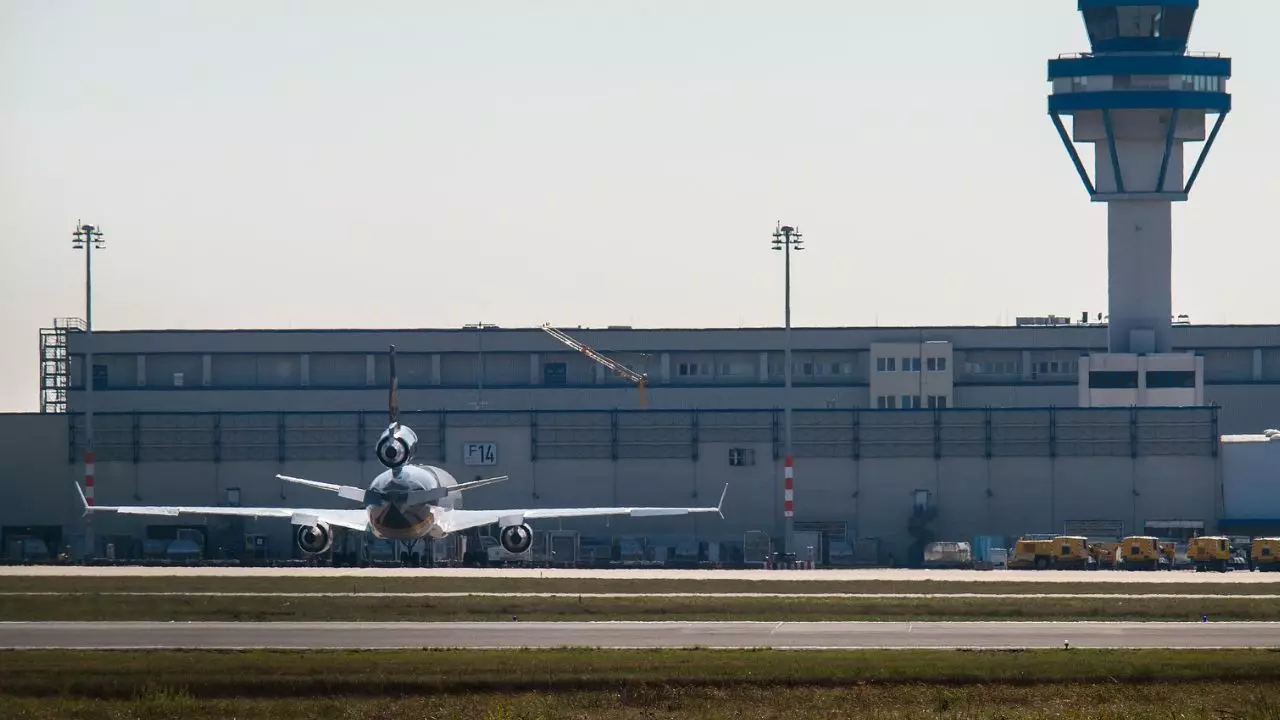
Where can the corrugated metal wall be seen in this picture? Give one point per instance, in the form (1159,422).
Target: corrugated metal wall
(1228,365)
(1004,472)
(337,370)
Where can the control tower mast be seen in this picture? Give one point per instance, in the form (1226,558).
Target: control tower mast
(1138,97)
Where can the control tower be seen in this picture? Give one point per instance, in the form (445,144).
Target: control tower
(1138,96)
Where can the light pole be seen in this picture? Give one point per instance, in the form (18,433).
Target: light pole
(784,238)
(88,237)
(479,328)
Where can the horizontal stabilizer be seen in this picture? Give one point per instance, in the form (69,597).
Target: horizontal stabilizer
(478,483)
(346,492)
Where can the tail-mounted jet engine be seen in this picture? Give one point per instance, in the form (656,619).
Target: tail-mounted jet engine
(314,540)
(516,539)
(397,446)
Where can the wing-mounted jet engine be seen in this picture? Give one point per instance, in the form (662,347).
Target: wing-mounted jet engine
(314,540)
(516,539)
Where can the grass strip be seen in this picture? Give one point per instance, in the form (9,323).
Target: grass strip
(576,585)
(626,685)
(1060,701)
(268,673)
(90,607)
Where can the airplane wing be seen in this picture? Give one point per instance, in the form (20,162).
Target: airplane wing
(457,520)
(352,519)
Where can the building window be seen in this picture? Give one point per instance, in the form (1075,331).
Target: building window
(910,401)
(910,364)
(1171,379)
(742,457)
(887,402)
(1113,380)
(554,374)
(937,364)
(691,369)
(886,364)
(1006,367)
(937,402)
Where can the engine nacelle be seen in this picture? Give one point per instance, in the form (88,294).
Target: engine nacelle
(314,540)
(516,539)
(395,448)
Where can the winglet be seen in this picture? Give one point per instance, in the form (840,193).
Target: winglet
(720,504)
(84,501)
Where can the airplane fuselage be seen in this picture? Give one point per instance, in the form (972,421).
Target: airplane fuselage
(399,518)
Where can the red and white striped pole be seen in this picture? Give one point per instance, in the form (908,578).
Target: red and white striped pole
(88,477)
(788,493)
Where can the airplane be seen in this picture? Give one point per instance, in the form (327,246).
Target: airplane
(407,502)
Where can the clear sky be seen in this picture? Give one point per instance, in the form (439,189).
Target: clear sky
(590,162)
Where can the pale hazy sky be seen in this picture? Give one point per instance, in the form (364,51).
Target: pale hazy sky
(430,164)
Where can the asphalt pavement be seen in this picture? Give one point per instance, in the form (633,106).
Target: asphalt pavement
(513,634)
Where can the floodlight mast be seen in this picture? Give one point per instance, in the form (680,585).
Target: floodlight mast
(785,238)
(88,238)
(618,368)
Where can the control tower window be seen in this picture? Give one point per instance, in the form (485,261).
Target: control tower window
(1102,24)
(1141,21)
(1138,21)
(1177,22)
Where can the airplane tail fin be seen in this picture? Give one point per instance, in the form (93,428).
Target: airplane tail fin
(393,396)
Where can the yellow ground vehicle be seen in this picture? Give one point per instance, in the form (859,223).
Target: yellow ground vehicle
(1140,552)
(1028,554)
(1209,553)
(1265,554)
(1104,554)
(1071,552)
(1065,552)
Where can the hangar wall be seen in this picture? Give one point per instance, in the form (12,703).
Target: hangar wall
(1251,479)
(989,471)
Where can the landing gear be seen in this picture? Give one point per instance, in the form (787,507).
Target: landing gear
(410,557)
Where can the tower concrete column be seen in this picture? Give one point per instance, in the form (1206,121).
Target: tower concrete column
(1139,276)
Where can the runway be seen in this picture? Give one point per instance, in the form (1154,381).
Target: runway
(726,635)
(879,574)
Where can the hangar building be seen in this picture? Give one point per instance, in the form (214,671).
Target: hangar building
(994,444)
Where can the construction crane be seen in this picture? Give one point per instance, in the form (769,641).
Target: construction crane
(618,368)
